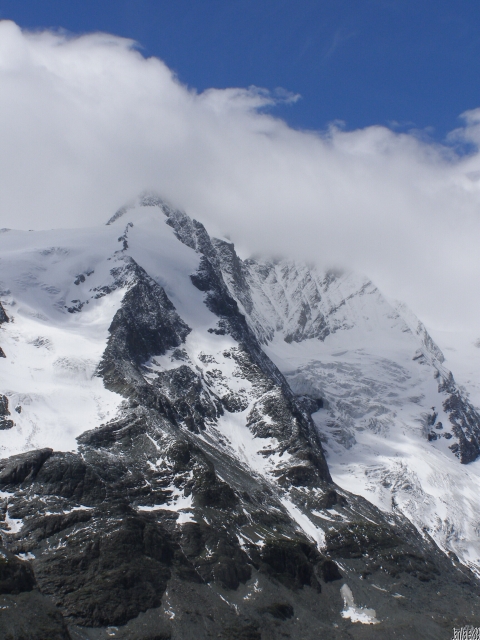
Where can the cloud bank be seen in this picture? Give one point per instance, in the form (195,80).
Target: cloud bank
(87,123)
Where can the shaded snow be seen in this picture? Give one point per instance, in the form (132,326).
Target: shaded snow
(375,372)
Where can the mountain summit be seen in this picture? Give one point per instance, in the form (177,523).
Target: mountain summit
(200,446)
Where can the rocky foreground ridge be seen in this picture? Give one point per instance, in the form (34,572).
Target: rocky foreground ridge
(198,501)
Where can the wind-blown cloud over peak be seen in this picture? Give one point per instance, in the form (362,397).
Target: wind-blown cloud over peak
(471,131)
(87,123)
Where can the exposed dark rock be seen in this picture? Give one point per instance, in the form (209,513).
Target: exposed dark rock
(122,430)
(235,402)
(4,406)
(209,279)
(75,307)
(298,476)
(16,576)
(211,492)
(465,426)
(279,610)
(5,423)
(22,467)
(180,453)
(191,232)
(245,632)
(276,416)
(68,476)
(145,325)
(3,315)
(31,616)
(109,574)
(218,300)
(40,529)
(354,540)
(225,563)
(329,499)
(187,398)
(330,571)
(291,562)
(309,404)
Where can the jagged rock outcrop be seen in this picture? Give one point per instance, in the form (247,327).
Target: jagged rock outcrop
(3,318)
(106,539)
(146,324)
(3,315)
(464,419)
(5,422)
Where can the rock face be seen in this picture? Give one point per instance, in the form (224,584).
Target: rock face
(3,315)
(145,325)
(204,507)
(5,423)
(3,319)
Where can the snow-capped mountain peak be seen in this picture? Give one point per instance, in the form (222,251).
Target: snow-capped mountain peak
(185,430)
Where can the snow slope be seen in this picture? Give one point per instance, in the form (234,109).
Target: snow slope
(51,354)
(60,296)
(386,432)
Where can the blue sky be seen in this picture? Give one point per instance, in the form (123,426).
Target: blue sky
(88,123)
(411,62)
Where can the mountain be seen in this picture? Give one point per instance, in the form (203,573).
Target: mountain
(200,446)
(394,422)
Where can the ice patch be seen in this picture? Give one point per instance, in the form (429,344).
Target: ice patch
(14,524)
(356,614)
(180,503)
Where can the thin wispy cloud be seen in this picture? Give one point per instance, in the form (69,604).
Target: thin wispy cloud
(339,38)
(87,123)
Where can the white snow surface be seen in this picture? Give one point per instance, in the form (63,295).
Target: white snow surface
(356,614)
(52,355)
(374,368)
(179,503)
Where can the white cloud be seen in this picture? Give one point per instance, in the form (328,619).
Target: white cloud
(87,123)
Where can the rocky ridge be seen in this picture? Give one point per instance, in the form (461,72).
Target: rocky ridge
(205,506)
(394,421)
